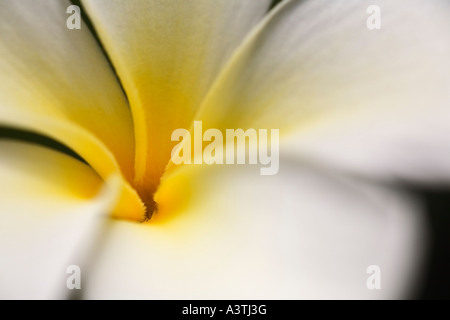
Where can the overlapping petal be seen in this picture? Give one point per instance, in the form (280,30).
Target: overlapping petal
(375,102)
(167,53)
(225,232)
(57,82)
(52,208)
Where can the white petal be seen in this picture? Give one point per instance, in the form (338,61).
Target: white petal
(370,101)
(57,82)
(227,233)
(167,54)
(51,213)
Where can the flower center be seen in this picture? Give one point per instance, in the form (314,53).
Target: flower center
(147,197)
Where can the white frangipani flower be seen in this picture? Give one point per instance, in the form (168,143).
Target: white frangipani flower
(357,109)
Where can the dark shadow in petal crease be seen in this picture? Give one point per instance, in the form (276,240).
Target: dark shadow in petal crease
(274,3)
(35,138)
(88,23)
